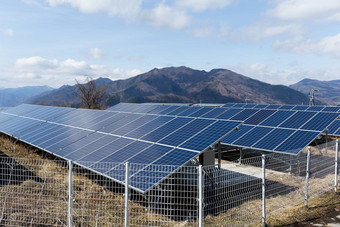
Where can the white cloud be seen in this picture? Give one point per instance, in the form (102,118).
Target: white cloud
(263,31)
(96,53)
(38,70)
(329,45)
(202,5)
(9,32)
(165,16)
(123,8)
(305,9)
(202,32)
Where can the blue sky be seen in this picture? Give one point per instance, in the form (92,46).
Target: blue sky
(54,42)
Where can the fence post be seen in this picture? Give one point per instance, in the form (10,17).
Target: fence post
(200,196)
(336,165)
(126,214)
(307,177)
(263,190)
(69,213)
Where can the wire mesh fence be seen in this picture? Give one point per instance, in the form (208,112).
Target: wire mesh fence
(40,192)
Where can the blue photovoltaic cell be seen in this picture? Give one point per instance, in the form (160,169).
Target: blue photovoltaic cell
(187,131)
(252,136)
(251,105)
(331,108)
(273,107)
(261,106)
(239,105)
(277,118)
(214,113)
(296,142)
(236,134)
(80,144)
(300,107)
(315,108)
(149,127)
(126,152)
(286,107)
(166,129)
(121,122)
(168,110)
(201,112)
(133,125)
(297,120)
(155,173)
(153,152)
(334,127)
(159,109)
(320,121)
(244,114)
(337,133)
(6,117)
(229,105)
(229,114)
(273,139)
(210,135)
(179,110)
(65,140)
(189,111)
(90,147)
(105,151)
(41,130)
(68,135)
(258,117)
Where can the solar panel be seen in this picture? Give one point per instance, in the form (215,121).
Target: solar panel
(201,112)
(210,135)
(251,105)
(331,108)
(229,114)
(185,132)
(236,134)
(273,139)
(297,120)
(179,110)
(258,117)
(244,114)
(300,108)
(297,141)
(190,111)
(273,106)
(164,130)
(286,107)
(252,136)
(229,105)
(214,113)
(334,127)
(277,118)
(315,108)
(320,121)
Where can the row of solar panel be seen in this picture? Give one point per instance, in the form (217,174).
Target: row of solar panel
(285,131)
(103,136)
(283,107)
(307,120)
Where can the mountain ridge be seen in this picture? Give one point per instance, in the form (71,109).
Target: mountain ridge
(182,85)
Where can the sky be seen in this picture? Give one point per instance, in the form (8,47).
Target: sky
(56,42)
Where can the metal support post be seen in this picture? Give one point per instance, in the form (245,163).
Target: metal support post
(336,166)
(240,160)
(219,154)
(126,217)
(263,190)
(307,177)
(69,212)
(200,196)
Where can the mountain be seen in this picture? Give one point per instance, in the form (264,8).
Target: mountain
(14,96)
(328,91)
(182,84)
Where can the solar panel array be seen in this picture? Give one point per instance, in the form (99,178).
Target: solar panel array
(275,128)
(94,137)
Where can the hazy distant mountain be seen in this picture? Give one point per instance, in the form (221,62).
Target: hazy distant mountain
(182,84)
(328,91)
(14,96)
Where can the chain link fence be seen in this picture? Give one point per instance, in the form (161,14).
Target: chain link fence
(45,192)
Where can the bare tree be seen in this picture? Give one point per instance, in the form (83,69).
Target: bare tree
(91,95)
